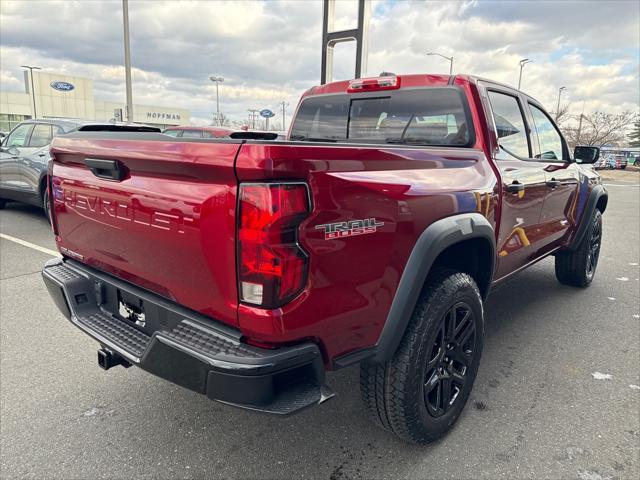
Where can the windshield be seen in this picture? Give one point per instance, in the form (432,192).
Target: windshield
(429,116)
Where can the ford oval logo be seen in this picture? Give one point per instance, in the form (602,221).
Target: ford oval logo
(62,86)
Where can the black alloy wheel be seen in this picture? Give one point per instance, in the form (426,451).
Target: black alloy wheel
(451,356)
(593,252)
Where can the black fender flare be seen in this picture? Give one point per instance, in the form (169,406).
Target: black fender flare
(597,192)
(432,242)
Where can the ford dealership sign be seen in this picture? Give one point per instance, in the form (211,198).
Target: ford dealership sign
(62,86)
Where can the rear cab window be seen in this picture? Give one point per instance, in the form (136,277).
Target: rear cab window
(437,116)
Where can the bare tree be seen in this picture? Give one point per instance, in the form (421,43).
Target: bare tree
(222,120)
(563,113)
(599,128)
(634,136)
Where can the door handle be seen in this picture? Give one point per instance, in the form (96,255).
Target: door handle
(42,154)
(107,169)
(515,187)
(553,183)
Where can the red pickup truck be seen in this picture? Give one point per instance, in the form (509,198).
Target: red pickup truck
(246,268)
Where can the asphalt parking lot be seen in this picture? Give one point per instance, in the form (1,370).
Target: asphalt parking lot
(537,410)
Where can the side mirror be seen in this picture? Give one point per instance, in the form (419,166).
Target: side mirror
(583,154)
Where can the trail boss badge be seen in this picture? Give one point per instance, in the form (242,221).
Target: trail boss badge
(349,229)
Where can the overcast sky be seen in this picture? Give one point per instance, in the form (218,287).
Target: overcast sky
(270,51)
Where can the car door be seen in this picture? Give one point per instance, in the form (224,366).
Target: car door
(562,176)
(33,161)
(523,184)
(11,179)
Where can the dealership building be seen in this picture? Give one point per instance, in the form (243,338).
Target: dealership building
(66,96)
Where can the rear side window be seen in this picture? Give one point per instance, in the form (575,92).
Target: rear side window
(41,136)
(191,134)
(430,116)
(171,133)
(512,134)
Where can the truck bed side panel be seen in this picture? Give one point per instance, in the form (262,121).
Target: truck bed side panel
(352,281)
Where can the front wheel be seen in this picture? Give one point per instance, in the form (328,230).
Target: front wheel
(3,202)
(419,394)
(578,267)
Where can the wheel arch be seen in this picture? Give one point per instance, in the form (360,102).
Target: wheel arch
(598,199)
(42,184)
(439,241)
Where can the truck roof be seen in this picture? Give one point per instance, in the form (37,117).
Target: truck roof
(411,81)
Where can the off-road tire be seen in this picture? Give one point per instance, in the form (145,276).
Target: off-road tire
(394,392)
(578,267)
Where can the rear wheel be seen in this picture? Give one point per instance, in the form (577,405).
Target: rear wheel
(419,394)
(46,205)
(3,202)
(578,267)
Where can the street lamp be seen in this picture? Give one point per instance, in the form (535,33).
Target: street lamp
(558,107)
(445,57)
(33,92)
(523,62)
(217,81)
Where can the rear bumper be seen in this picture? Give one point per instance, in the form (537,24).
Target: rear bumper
(185,347)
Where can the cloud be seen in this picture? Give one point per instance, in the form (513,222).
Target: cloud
(270,51)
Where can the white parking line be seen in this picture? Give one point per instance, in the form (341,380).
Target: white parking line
(33,246)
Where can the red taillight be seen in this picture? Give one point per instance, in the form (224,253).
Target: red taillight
(376,83)
(272,266)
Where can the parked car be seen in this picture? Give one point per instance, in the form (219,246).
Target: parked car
(246,270)
(198,132)
(24,156)
(620,161)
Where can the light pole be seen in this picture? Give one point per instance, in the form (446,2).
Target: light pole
(253,113)
(558,107)
(217,81)
(127,59)
(445,57)
(284,106)
(523,62)
(33,92)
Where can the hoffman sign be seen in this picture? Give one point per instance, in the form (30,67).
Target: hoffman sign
(163,116)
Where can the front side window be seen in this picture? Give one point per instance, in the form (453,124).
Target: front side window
(430,116)
(19,136)
(171,133)
(548,137)
(512,134)
(41,136)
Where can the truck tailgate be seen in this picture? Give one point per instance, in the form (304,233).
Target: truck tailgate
(158,212)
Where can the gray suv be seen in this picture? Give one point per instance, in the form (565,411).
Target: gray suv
(24,156)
